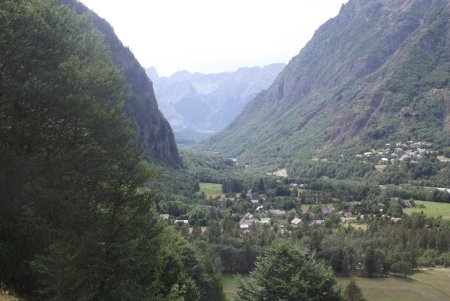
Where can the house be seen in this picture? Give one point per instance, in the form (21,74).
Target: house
(276,212)
(181,221)
(255,202)
(165,216)
(249,222)
(248,216)
(244,226)
(283,224)
(317,222)
(296,222)
(396,220)
(348,214)
(326,210)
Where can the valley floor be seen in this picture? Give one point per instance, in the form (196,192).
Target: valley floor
(424,285)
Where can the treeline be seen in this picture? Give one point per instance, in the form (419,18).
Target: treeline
(425,171)
(385,248)
(75,223)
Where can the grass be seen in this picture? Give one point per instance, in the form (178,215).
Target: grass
(305,207)
(229,285)
(211,189)
(432,209)
(380,167)
(424,285)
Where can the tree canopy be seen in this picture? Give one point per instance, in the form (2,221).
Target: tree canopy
(74,224)
(287,272)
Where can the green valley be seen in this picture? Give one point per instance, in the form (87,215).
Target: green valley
(331,184)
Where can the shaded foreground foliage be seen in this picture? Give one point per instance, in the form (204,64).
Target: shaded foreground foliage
(74,224)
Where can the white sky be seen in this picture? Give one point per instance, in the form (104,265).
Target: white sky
(214,35)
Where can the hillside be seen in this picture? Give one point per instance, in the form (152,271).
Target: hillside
(377,72)
(153,133)
(209,102)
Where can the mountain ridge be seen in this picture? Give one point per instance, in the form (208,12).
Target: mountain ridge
(153,133)
(347,84)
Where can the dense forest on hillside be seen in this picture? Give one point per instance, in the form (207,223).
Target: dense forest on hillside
(74,223)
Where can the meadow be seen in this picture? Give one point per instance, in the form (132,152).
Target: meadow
(424,285)
(211,189)
(432,209)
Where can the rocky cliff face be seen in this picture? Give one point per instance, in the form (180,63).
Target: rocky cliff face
(153,133)
(379,71)
(209,102)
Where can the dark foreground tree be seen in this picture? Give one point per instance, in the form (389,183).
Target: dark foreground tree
(74,223)
(289,273)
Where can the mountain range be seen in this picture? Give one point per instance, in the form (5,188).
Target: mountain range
(201,102)
(376,73)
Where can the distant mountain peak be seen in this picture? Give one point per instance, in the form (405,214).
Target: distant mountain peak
(208,102)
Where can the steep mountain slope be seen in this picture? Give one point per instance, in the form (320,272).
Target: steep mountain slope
(209,102)
(379,71)
(153,133)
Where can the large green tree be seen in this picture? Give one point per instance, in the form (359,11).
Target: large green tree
(289,273)
(74,223)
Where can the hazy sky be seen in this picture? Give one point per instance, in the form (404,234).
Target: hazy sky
(214,35)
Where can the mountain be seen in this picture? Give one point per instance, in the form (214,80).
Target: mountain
(377,72)
(153,133)
(208,102)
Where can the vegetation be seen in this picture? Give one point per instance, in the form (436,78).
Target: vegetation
(431,209)
(286,272)
(74,222)
(211,189)
(423,285)
(353,292)
(82,216)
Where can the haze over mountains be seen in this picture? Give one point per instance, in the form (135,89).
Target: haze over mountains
(208,102)
(377,72)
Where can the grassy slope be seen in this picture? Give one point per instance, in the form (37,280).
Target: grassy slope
(422,286)
(211,189)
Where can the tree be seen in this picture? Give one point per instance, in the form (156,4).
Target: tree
(373,262)
(353,292)
(402,268)
(74,221)
(287,272)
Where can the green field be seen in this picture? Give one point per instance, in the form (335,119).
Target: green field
(211,189)
(229,284)
(424,285)
(305,207)
(432,209)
